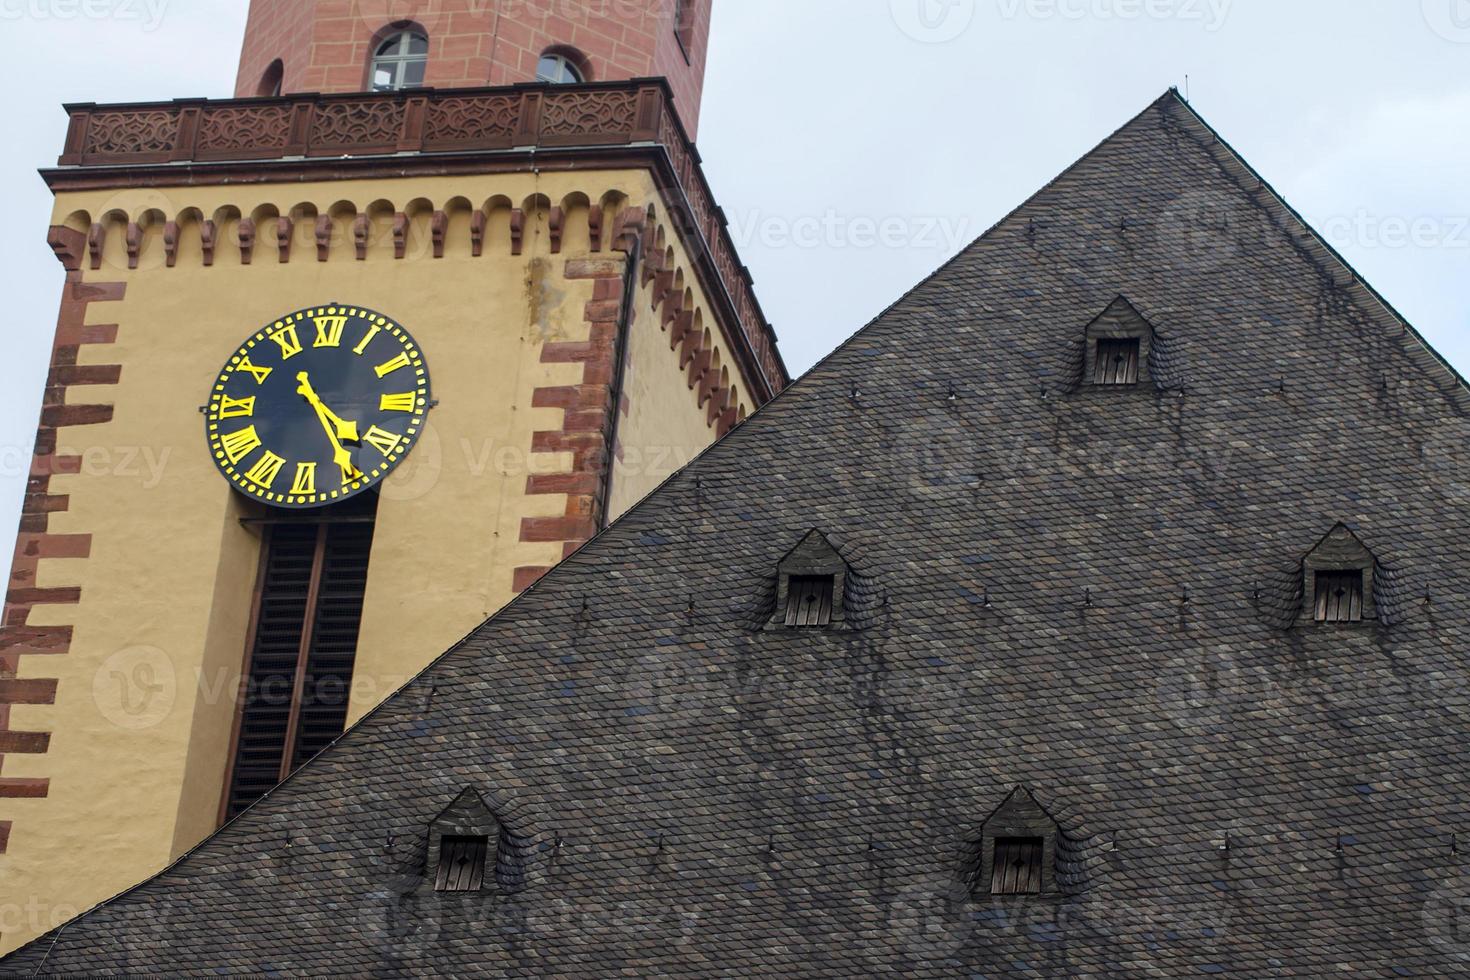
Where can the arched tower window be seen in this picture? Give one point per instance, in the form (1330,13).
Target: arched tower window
(270,82)
(400,62)
(560,68)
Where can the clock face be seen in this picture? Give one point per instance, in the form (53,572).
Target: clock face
(318,406)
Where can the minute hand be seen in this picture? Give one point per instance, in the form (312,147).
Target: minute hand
(341,456)
(346,431)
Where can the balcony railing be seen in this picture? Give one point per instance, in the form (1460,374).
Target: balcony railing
(195,134)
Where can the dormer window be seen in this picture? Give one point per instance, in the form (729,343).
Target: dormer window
(461,864)
(1016,866)
(1118,345)
(463,842)
(811,586)
(1337,580)
(1017,850)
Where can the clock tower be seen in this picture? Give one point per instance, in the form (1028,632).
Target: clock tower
(438,295)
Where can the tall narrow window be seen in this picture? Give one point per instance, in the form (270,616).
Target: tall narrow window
(684,13)
(400,62)
(271,81)
(303,640)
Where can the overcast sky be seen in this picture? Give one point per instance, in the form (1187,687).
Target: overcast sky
(857,144)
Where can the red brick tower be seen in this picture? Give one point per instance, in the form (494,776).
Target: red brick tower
(334,46)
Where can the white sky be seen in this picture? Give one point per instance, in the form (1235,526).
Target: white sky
(857,144)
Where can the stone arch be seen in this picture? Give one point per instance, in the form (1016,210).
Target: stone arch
(189,240)
(458,221)
(333,237)
(576,232)
(373,231)
(265,219)
(415,230)
(500,217)
(146,240)
(222,238)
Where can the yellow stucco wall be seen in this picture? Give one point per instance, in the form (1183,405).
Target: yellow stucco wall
(146,695)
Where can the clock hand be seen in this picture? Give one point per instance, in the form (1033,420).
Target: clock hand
(345,430)
(342,457)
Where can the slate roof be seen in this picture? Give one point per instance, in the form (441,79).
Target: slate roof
(1081,591)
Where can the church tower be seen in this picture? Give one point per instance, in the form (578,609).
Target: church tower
(342,366)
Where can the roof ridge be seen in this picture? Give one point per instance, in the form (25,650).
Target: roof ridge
(1357,284)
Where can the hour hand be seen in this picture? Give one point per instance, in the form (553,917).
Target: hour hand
(346,431)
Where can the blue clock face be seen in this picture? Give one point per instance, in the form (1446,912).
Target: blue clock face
(318,406)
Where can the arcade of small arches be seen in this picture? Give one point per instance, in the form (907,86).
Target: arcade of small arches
(148,238)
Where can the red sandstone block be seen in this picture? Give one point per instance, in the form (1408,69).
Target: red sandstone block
(528,576)
(54,545)
(547,529)
(570,483)
(62,415)
(595,269)
(92,374)
(16,789)
(61,595)
(35,639)
(41,691)
(25,743)
(45,503)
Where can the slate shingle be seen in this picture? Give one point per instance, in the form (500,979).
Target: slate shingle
(1086,592)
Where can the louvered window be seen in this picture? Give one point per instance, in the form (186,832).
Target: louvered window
(461,864)
(809,600)
(1017,867)
(302,647)
(1340,597)
(1117,361)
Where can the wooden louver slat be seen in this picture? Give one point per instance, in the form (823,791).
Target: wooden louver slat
(809,601)
(1017,867)
(304,642)
(461,864)
(1339,597)
(1117,362)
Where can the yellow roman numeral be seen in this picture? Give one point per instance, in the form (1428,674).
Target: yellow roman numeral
(398,403)
(260,373)
(238,445)
(329,331)
(350,473)
(372,332)
(305,485)
(289,342)
(236,408)
(384,442)
(401,361)
(264,472)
